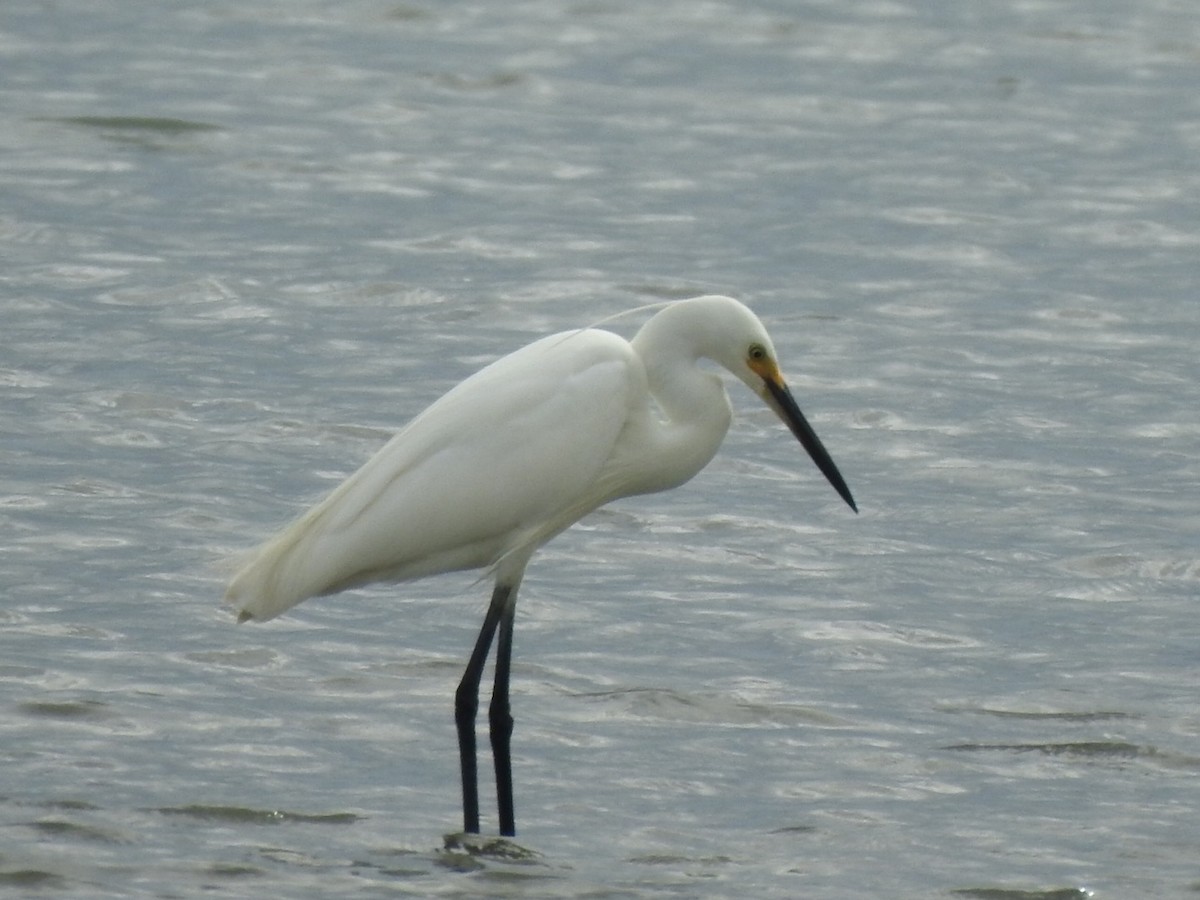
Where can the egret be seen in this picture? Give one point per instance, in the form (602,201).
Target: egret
(514,455)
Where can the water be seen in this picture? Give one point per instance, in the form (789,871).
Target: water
(243,243)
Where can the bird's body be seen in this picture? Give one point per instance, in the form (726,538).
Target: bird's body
(466,484)
(514,455)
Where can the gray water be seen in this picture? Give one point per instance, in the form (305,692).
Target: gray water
(243,242)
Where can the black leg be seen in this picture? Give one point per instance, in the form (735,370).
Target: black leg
(500,722)
(466,704)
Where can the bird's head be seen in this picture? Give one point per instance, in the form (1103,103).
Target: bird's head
(729,333)
(742,345)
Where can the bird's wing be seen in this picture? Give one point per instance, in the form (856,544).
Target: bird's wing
(498,465)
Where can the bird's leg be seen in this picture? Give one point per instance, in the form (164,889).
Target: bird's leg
(466,704)
(500,722)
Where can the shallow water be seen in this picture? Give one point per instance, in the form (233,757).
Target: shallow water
(244,243)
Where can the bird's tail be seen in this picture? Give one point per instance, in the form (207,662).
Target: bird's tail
(271,579)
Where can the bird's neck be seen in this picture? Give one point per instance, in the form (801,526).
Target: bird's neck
(693,409)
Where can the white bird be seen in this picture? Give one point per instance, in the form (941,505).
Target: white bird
(514,455)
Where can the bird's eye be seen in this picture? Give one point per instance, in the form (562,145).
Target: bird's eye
(757,352)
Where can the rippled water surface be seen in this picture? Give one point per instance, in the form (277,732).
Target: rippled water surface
(244,242)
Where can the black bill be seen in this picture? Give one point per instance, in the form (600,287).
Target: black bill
(786,408)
